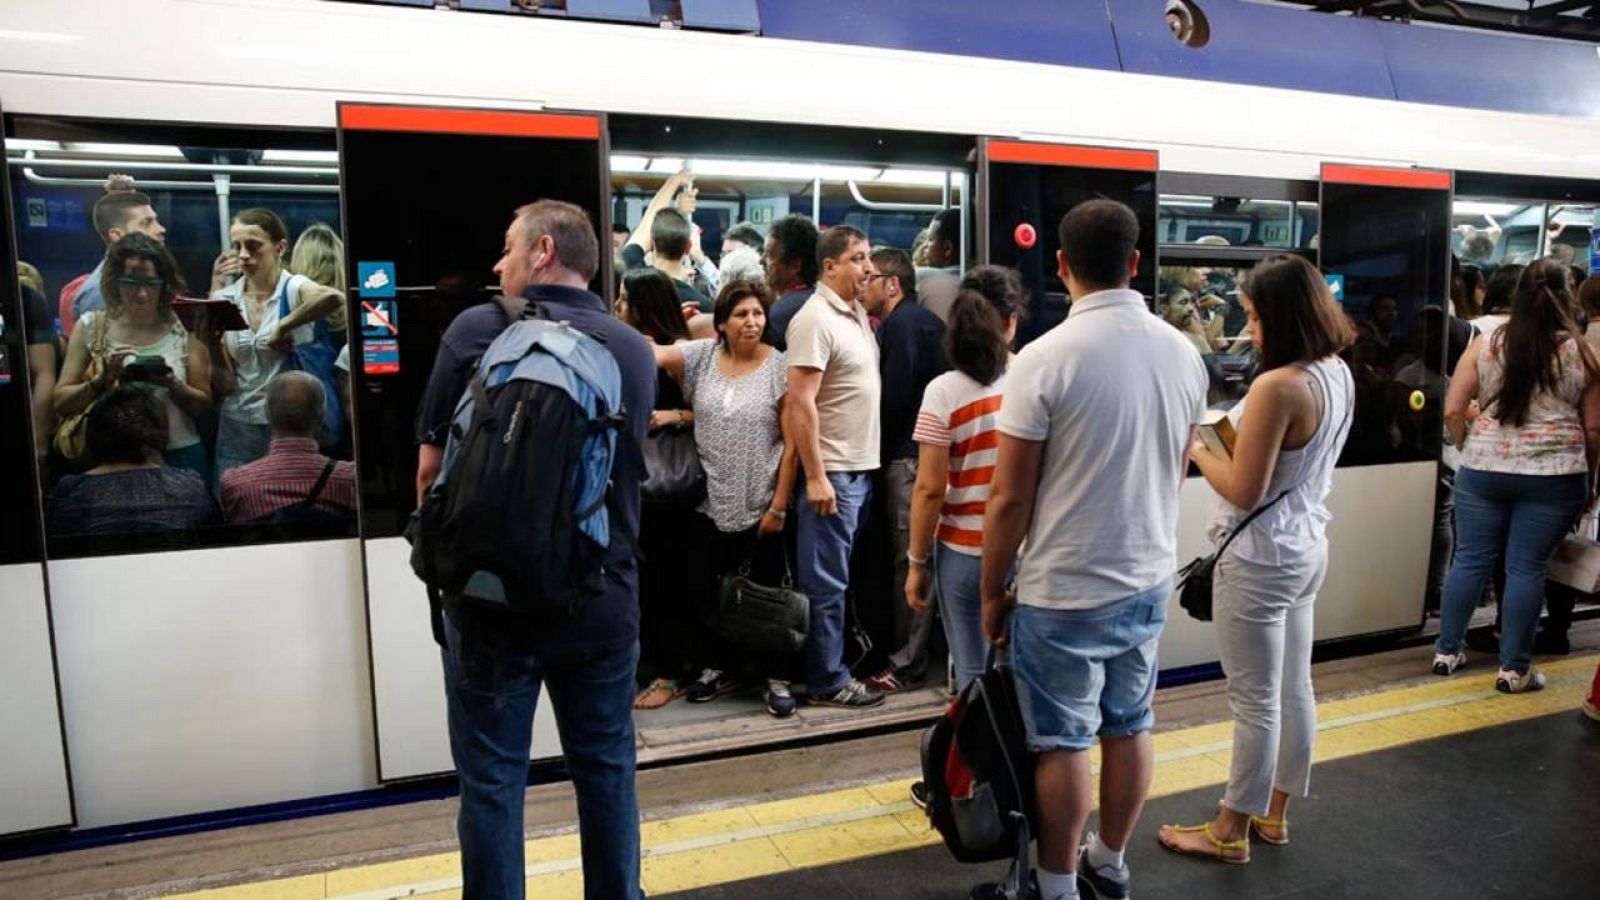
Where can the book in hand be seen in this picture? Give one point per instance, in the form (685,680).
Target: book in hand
(219,315)
(1216,430)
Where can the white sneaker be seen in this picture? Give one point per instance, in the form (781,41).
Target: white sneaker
(1510,681)
(1447,663)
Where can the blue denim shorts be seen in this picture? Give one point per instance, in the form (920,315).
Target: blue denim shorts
(1088,672)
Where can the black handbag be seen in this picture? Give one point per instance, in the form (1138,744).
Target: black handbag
(758,617)
(1194,580)
(672,466)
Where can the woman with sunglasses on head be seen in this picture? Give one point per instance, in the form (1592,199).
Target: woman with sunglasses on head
(1272,489)
(138,339)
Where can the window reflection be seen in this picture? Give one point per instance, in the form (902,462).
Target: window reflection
(1203,303)
(1237,221)
(198,400)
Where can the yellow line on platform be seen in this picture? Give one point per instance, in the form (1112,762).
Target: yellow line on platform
(721,846)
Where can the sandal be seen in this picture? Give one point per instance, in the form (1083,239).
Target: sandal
(886,681)
(1233,852)
(1280,825)
(657,694)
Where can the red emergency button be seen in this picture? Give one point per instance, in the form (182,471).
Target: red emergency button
(1025,236)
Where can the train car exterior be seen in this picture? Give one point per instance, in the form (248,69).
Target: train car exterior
(144,685)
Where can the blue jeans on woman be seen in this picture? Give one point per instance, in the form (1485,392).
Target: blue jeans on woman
(1523,516)
(956,578)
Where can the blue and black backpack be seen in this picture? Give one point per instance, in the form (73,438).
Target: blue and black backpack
(521,517)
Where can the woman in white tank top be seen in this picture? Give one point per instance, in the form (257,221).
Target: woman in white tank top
(1291,427)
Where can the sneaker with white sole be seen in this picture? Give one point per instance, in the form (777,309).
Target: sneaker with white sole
(1590,710)
(854,695)
(1109,882)
(1447,663)
(1510,681)
(780,700)
(711,684)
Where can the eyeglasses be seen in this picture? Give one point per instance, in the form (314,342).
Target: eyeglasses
(131,283)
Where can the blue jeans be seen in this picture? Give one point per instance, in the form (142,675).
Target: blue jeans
(493,669)
(1087,672)
(956,577)
(823,549)
(1523,516)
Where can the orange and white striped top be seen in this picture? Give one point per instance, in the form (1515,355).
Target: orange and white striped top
(959,413)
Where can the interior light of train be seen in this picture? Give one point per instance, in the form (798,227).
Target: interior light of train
(623,163)
(40,37)
(329,157)
(32,144)
(153,150)
(782,171)
(1481,208)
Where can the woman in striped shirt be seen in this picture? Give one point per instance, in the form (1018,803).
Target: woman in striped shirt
(957,440)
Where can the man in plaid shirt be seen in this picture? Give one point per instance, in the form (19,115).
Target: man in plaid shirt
(294,463)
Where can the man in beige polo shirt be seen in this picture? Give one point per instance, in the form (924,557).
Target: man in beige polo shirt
(834,390)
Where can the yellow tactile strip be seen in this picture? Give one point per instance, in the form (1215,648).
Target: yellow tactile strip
(766,838)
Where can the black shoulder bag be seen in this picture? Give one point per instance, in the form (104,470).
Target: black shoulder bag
(1194,580)
(759,617)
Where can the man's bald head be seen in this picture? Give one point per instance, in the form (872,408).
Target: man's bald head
(295,405)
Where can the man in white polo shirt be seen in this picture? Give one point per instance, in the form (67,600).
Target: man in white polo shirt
(834,390)
(1094,427)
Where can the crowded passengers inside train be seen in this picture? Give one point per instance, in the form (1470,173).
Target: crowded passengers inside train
(178,391)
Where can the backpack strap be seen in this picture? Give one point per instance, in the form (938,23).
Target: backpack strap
(316,490)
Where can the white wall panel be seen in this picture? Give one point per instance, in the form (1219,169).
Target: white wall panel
(213,679)
(1379,542)
(33,766)
(407,676)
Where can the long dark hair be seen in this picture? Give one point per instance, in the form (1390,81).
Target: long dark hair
(1530,343)
(653,300)
(1300,320)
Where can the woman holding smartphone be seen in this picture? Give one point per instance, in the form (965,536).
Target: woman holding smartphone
(1291,427)
(138,339)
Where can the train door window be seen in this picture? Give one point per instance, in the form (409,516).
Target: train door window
(777,184)
(33,778)
(429,193)
(1027,188)
(1386,252)
(1224,221)
(189,272)
(1491,231)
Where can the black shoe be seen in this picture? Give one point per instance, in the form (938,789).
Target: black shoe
(780,701)
(855,695)
(711,684)
(1030,890)
(1107,883)
(1483,640)
(919,795)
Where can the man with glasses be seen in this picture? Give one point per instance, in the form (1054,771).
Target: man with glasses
(910,354)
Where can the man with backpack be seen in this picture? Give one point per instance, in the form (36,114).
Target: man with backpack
(546,593)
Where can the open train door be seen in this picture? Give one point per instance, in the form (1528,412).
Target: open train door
(428,193)
(1024,188)
(1385,251)
(35,789)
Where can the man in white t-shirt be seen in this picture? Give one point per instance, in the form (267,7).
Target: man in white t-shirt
(1095,425)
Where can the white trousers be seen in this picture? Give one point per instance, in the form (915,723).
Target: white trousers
(1263,621)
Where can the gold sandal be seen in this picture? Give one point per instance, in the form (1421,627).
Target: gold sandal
(657,694)
(1220,849)
(1282,825)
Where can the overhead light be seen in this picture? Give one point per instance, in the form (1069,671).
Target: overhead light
(39,37)
(1484,208)
(623,163)
(148,150)
(667,164)
(301,156)
(778,170)
(33,144)
(920,177)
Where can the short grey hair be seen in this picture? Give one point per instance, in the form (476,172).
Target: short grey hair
(296,403)
(569,228)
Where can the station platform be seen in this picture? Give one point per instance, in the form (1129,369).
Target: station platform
(1424,786)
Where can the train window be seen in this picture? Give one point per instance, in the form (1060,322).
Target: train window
(1236,221)
(195,280)
(1202,301)
(1489,232)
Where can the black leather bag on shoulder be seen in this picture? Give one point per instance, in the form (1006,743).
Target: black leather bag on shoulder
(1195,579)
(759,617)
(672,466)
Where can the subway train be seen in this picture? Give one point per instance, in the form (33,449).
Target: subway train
(153,677)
